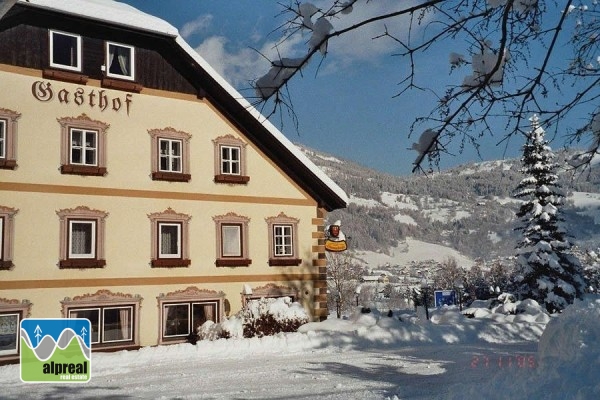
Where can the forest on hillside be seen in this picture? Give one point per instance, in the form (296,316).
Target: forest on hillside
(468,208)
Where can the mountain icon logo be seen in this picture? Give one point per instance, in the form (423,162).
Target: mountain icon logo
(56,350)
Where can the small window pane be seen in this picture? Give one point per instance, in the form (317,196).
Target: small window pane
(170,155)
(9,326)
(230,160)
(65,51)
(94,316)
(202,312)
(120,60)
(2,138)
(117,324)
(170,240)
(84,147)
(283,240)
(177,320)
(82,239)
(1,238)
(232,240)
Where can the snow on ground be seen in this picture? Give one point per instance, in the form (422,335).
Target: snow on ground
(588,201)
(399,201)
(413,250)
(405,219)
(365,356)
(364,202)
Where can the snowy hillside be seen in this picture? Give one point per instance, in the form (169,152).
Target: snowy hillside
(467,210)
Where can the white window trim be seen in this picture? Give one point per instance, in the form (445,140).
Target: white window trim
(3,135)
(62,66)
(92,254)
(171,156)
(178,226)
(283,235)
(237,236)
(130,77)
(231,161)
(84,147)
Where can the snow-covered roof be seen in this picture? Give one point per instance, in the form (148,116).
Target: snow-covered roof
(125,15)
(108,11)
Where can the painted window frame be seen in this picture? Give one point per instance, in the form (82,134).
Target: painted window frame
(83,123)
(7,237)
(84,215)
(169,217)
(230,141)
(277,259)
(128,77)
(232,220)
(102,301)
(9,125)
(270,290)
(170,134)
(190,295)
(21,310)
(78,56)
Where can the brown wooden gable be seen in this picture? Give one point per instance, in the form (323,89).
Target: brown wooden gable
(161,63)
(24,42)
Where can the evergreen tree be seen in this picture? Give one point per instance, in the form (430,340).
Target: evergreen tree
(547,271)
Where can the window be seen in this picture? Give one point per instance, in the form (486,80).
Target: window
(6,236)
(83,146)
(65,51)
(232,240)
(169,235)
(170,240)
(81,238)
(230,160)
(182,312)
(109,324)
(170,155)
(181,319)
(113,316)
(11,314)
(120,61)
(8,138)
(283,246)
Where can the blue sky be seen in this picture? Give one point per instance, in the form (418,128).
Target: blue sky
(345,106)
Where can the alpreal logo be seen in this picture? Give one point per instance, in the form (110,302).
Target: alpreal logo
(56,350)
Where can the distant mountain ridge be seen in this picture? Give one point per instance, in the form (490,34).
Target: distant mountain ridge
(467,208)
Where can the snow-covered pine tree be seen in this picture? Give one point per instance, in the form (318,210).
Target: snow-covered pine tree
(546,270)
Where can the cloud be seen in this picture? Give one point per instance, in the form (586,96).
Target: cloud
(242,64)
(198,25)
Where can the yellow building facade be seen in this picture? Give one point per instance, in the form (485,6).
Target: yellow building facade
(144,204)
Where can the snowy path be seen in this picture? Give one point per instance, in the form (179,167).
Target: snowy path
(422,372)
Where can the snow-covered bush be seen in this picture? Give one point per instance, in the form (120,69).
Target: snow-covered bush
(269,316)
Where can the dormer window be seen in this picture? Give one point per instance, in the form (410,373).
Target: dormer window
(65,51)
(119,61)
